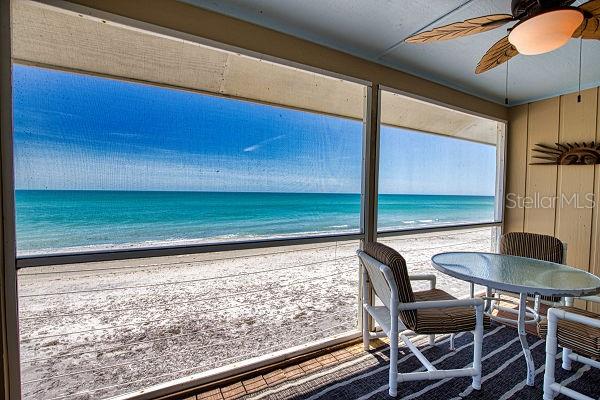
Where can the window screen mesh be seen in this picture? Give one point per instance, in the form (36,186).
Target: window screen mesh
(110,153)
(430,179)
(125,139)
(104,163)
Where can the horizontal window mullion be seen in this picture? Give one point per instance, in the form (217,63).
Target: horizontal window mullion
(116,255)
(402,232)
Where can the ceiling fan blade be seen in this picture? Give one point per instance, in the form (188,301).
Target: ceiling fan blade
(499,53)
(464,28)
(592,7)
(589,29)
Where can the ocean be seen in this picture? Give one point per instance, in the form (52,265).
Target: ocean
(51,221)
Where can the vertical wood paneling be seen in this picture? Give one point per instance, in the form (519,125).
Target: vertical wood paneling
(575,182)
(595,242)
(543,126)
(595,246)
(516,168)
(549,121)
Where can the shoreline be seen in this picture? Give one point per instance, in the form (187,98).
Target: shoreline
(217,240)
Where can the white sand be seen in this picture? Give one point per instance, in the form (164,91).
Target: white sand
(100,329)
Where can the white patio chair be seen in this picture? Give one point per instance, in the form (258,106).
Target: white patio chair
(578,332)
(405,313)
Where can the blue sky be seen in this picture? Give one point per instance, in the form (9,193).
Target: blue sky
(82,132)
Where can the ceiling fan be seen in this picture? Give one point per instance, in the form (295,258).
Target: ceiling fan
(543,26)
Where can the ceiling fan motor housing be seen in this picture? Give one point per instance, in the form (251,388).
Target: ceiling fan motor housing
(523,9)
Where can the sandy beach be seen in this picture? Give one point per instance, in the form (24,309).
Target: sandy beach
(96,330)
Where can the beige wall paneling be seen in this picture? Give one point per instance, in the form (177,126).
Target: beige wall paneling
(53,38)
(574,220)
(558,119)
(237,34)
(516,168)
(595,242)
(407,112)
(543,125)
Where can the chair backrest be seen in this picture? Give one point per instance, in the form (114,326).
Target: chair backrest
(532,245)
(390,257)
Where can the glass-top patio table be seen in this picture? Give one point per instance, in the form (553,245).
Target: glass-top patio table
(521,275)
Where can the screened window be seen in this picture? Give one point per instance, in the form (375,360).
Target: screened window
(126,139)
(438,167)
(102,163)
(153,141)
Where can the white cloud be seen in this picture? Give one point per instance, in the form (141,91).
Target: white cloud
(258,145)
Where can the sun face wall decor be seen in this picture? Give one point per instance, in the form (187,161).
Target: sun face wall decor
(567,154)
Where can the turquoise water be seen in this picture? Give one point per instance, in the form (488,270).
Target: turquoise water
(54,221)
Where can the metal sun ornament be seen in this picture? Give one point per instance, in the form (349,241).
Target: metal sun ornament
(567,154)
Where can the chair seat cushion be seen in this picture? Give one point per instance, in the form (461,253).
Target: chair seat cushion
(582,339)
(443,320)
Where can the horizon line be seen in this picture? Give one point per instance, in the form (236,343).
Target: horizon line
(241,191)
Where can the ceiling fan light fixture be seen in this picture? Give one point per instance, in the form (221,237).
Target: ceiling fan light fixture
(545,32)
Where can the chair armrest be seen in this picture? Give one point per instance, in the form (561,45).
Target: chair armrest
(417,305)
(424,277)
(554,314)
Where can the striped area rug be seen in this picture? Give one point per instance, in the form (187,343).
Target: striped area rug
(365,377)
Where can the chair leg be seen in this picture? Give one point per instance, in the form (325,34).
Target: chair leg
(477,346)
(452,335)
(393,378)
(551,344)
(366,299)
(566,361)
(431,340)
(365,330)
(549,377)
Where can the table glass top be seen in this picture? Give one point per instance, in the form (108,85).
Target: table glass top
(517,274)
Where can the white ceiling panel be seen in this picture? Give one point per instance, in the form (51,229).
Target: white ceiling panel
(375,29)
(362,27)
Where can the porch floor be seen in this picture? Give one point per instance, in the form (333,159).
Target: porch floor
(276,377)
(251,385)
